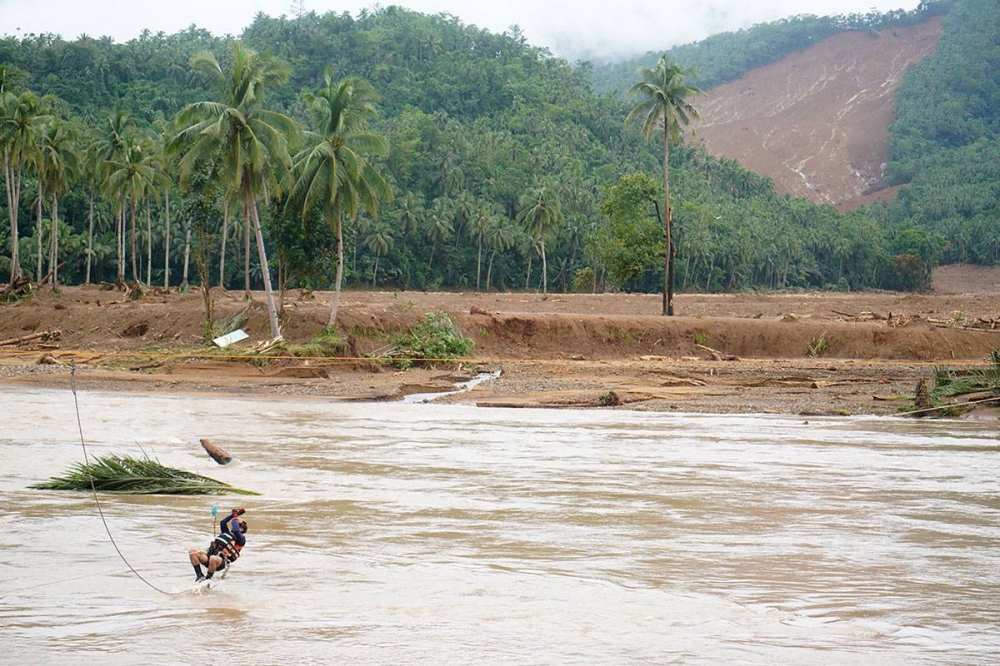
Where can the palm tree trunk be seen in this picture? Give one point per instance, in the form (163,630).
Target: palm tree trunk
(90,234)
(38,231)
(149,241)
(225,232)
(54,243)
(13,189)
(166,240)
(246,252)
(479,261)
(187,256)
(120,240)
(265,272)
(545,271)
(489,271)
(132,242)
(339,229)
(375,272)
(668,287)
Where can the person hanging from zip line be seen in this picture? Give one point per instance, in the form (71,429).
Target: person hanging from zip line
(224,548)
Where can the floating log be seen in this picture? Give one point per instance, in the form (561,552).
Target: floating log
(216,453)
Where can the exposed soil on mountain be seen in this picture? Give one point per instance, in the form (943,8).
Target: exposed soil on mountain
(804,353)
(817,122)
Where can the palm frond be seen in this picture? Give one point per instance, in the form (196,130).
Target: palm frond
(137,476)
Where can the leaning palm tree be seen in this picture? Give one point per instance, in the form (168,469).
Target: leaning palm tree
(244,143)
(663,104)
(334,172)
(541,213)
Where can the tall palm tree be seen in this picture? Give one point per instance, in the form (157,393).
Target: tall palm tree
(334,172)
(22,117)
(500,237)
(246,144)
(58,165)
(541,213)
(481,219)
(379,240)
(107,150)
(663,103)
(138,173)
(439,226)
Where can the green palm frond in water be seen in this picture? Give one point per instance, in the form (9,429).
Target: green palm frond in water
(138,476)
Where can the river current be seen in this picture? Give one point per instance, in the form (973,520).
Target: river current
(394,533)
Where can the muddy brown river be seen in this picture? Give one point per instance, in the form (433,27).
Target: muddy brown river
(436,534)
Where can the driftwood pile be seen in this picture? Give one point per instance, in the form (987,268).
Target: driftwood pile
(896,320)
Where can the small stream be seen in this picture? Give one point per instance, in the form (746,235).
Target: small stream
(461,387)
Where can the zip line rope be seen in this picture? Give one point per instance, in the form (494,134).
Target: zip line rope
(93,488)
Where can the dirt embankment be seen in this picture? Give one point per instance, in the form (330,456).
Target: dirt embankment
(817,122)
(788,353)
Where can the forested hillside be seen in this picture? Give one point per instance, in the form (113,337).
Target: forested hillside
(480,132)
(945,148)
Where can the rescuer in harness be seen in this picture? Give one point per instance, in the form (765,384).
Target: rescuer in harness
(224,548)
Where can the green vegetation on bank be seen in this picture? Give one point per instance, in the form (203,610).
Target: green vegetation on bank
(497,161)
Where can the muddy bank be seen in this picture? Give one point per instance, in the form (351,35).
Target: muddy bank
(800,353)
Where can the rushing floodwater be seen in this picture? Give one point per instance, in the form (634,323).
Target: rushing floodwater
(426,534)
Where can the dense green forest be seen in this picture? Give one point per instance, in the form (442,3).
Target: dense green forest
(468,131)
(945,146)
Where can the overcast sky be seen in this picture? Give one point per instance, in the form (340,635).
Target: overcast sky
(594,29)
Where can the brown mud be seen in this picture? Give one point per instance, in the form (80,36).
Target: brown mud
(795,353)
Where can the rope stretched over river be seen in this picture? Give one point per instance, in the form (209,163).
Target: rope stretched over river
(93,488)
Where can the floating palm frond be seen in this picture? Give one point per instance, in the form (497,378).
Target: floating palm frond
(139,476)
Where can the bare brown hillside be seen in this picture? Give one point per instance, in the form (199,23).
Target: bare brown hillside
(817,122)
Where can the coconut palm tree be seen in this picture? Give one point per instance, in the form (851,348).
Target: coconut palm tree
(379,240)
(664,104)
(58,165)
(500,237)
(136,174)
(22,117)
(411,213)
(481,219)
(107,150)
(244,143)
(438,226)
(541,213)
(334,172)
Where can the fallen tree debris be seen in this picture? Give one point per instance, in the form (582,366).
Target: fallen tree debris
(718,355)
(216,453)
(146,366)
(42,335)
